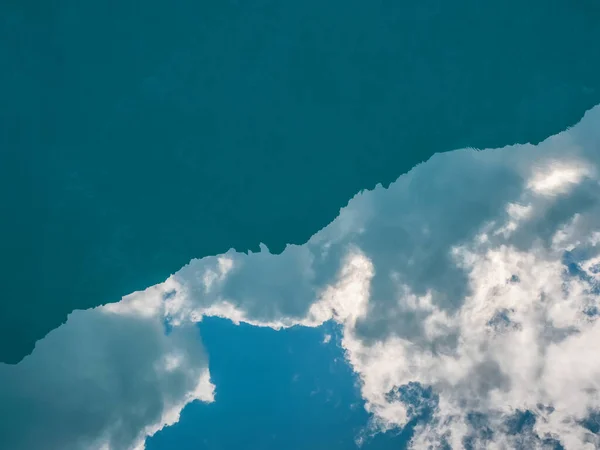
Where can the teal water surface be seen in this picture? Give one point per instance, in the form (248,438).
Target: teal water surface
(134,137)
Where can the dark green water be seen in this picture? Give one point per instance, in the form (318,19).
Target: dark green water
(135,136)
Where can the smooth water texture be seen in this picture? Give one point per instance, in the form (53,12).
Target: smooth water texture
(135,137)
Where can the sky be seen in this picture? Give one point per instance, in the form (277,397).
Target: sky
(461,301)
(297,392)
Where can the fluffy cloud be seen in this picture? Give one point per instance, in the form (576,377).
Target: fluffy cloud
(467,295)
(475,276)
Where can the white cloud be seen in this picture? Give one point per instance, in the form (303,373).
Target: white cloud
(475,275)
(453,278)
(557,177)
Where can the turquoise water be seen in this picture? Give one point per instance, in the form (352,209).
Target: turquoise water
(133,138)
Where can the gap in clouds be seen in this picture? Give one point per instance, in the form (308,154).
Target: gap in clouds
(286,389)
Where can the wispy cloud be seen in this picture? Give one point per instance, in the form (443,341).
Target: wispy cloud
(106,379)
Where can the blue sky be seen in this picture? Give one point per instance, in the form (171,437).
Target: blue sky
(276,389)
